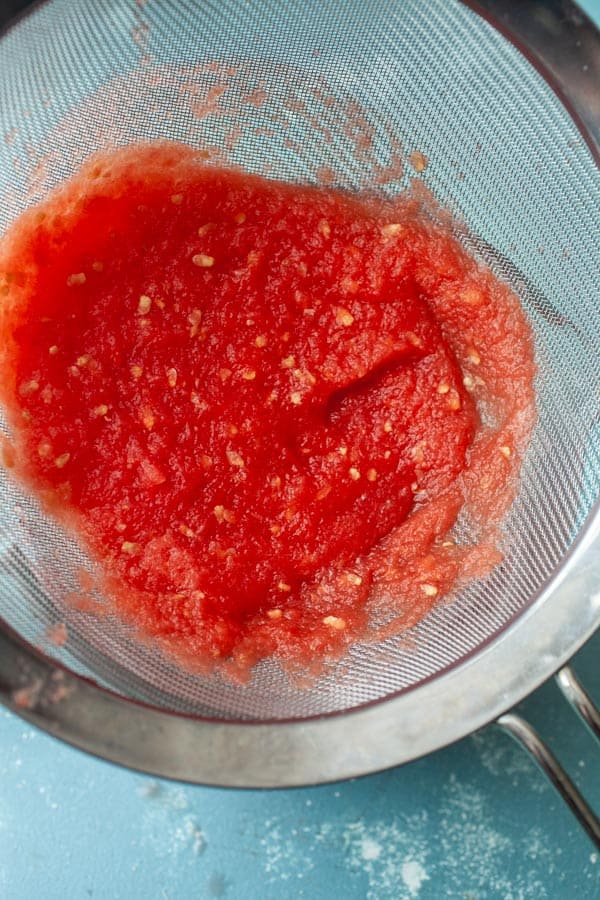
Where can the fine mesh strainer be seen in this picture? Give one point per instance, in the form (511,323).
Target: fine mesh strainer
(289,90)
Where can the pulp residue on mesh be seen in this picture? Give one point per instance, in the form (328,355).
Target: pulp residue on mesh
(271,120)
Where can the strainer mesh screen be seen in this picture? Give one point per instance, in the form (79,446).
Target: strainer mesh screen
(504,156)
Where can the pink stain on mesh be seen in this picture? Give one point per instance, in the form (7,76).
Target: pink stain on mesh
(57,634)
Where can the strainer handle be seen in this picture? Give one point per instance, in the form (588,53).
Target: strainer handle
(579,699)
(527,737)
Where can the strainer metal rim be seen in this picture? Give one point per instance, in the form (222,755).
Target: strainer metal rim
(328,748)
(345,744)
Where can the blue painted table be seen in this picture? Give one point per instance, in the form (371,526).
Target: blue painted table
(474,821)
